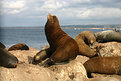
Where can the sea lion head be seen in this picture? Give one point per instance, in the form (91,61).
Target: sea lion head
(7,59)
(52,20)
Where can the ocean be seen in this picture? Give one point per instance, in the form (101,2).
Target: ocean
(35,36)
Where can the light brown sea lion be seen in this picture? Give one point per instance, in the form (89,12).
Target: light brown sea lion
(105,65)
(19,46)
(84,40)
(108,36)
(7,59)
(88,37)
(62,45)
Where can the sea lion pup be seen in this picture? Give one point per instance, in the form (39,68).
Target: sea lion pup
(105,65)
(84,40)
(108,36)
(7,59)
(62,45)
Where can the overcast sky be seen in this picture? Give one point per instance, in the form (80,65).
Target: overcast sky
(70,12)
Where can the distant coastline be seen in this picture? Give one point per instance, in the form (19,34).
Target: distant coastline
(72,26)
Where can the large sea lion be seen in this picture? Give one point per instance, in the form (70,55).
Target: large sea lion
(84,40)
(7,59)
(19,46)
(105,65)
(62,45)
(108,36)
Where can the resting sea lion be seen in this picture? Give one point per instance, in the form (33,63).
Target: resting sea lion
(19,46)
(88,37)
(105,65)
(2,45)
(84,40)
(62,45)
(7,59)
(108,36)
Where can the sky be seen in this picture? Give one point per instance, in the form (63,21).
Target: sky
(31,13)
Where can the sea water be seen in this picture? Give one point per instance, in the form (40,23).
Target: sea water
(33,37)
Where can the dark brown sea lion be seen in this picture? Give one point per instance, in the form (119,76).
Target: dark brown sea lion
(108,36)
(84,40)
(2,45)
(105,65)
(62,45)
(7,59)
(19,46)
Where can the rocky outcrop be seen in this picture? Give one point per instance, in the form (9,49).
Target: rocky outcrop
(97,75)
(72,71)
(25,71)
(19,46)
(103,79)
(109,49)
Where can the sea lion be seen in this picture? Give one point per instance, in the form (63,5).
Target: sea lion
(7,59)
(108,36)
(88,37)
(84,40)
(105,65)
(19,46)
(62,45)
(2,45)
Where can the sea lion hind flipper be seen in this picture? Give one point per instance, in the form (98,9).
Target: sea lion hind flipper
(47,63)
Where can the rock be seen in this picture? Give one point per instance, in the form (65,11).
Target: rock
(97,75)
(46,47)
(25,71)
(109,49)
(103,79)
(19,46)
(25,56)
(72,71)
